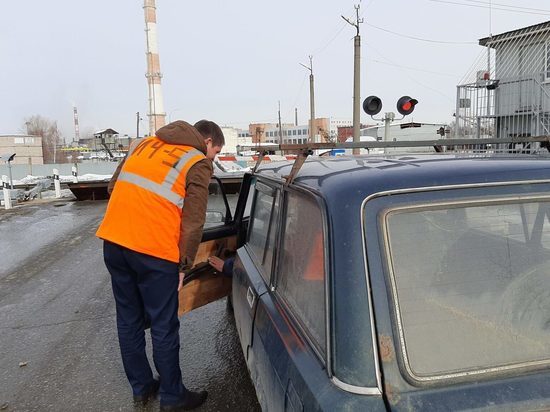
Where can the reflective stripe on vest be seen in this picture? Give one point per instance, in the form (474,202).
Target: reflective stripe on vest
(163,189)
(177,168)
(158,189)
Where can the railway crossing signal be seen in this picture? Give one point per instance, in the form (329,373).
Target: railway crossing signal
(406,104)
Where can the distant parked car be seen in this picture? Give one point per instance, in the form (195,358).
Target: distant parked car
(396,283)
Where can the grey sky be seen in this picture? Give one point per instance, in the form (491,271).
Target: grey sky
(231,61)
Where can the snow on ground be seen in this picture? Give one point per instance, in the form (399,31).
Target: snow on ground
(29,179)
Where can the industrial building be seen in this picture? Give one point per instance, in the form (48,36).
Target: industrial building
(507,94)
(27,149)
(325,130)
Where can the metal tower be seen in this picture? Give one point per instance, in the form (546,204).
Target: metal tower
(156,104)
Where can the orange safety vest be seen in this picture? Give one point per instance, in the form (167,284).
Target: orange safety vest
(144,211)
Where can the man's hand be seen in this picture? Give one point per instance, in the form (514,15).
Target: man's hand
(216,263)
(180,284)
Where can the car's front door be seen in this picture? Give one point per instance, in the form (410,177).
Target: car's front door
(253,266)
(202,284)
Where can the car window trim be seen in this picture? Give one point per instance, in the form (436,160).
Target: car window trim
(419,189)
(228,215)
(246,185)
(272,217)
(272,192)
(324,358)
(473,202)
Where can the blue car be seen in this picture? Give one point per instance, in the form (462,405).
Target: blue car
(394,283)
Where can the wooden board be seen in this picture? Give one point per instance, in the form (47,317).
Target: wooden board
(210,285)
(206,289)
(218,247)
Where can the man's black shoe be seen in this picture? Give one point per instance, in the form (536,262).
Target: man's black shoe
(148,394)
(192,401)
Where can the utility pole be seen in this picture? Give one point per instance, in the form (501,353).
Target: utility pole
(280,125)
(356,78)
(311,99)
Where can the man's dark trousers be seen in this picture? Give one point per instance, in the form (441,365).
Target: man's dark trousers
(143,284)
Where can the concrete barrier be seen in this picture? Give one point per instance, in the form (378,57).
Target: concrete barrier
(6,190)
(56,183)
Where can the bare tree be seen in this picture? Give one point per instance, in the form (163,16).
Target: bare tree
(51,136)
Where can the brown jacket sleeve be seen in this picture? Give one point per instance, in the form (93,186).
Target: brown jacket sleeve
(194,212)
(112,182)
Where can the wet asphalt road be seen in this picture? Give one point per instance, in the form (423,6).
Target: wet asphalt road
(57,320)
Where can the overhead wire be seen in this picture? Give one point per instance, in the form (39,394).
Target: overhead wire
(323,48)
(490,3)
(414,68)
(370,4)
(318,51)
(490,7)
(411,77)
(298,95)
(419,38)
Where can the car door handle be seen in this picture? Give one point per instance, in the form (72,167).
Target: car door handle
(250,297)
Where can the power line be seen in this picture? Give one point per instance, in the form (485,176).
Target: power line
(507,5)
(370,4)
(321,49)
(488,7)
(299,94)
(329,42)
(419,38)
(413,68)
(410,77)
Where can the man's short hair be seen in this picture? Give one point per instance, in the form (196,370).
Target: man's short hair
(211,129)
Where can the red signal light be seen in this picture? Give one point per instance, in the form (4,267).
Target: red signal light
(406,104)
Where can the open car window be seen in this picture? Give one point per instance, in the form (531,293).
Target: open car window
(221,205)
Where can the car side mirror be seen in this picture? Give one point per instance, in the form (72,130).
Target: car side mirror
(214,217)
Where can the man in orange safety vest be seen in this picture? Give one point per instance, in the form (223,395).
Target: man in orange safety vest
(151,230)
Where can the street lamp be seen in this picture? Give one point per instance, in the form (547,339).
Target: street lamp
(8,157)
(138,119)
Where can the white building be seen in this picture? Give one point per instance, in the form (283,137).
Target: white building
(406,131)
(290,134)
(231,136)
(326,130)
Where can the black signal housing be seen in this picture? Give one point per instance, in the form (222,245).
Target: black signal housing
(372,105)
(406,104)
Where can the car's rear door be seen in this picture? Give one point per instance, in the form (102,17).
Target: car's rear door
(290,328)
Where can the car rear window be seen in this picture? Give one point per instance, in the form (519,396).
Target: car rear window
(471,286)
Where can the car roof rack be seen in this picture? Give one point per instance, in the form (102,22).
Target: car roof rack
(304,150)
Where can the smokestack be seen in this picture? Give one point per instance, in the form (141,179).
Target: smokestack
(156,104)
(296,116)
(76,127)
